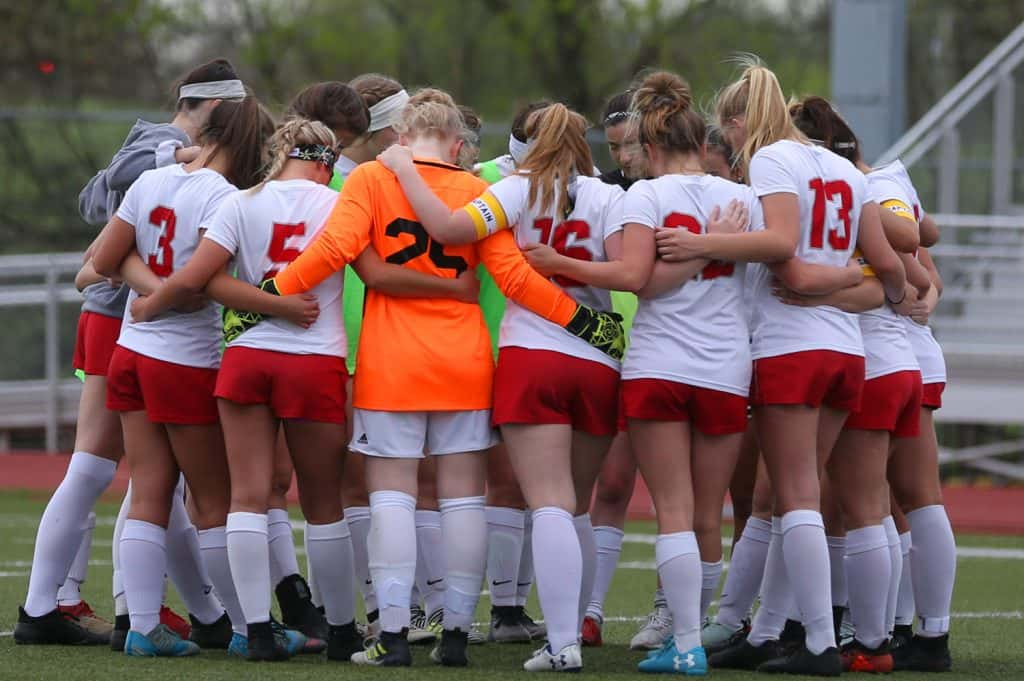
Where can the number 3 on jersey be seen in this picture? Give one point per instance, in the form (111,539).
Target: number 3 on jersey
(838,237)
(278,255)
(715,268)
(560,242)
(161,260)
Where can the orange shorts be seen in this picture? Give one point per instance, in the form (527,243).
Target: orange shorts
(812,378)
(167,392)
(891,402)
(95,341)
(712,412)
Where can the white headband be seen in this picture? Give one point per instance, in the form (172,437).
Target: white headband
(385,113)
(518,150)
(216,89)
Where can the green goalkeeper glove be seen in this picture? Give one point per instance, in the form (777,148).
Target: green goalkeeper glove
(603,330)
(237,322)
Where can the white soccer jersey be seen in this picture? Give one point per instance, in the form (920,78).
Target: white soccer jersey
(595,216)
(267,229)
(831,192)
(697,333)
(168,207)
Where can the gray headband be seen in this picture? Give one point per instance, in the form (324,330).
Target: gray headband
(216,89)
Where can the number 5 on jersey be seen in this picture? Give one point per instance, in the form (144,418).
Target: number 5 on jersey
(278,255)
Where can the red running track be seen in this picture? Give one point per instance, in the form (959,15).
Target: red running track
(971,509)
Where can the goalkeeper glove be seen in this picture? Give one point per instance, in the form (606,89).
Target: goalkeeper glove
(237,322)
(603,330)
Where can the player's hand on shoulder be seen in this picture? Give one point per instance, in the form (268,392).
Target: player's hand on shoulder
(396,158)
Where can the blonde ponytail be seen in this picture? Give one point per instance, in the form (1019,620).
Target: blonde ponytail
(292,133)
(558,152)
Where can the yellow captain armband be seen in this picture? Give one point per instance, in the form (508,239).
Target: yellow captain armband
(487,214)
(865,268)
(899,208)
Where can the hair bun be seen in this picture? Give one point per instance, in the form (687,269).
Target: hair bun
(662,89)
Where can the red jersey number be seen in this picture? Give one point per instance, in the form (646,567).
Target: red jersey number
(715,268)
(277,253)
(161,260)
(559,241)
(838,236)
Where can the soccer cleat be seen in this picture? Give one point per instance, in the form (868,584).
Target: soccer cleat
(923,654)
(654,632)
(591,634)
(506,626)
(122,623)
(568,659)
(161,642)
(343,641)
(668,660)
(803,661)
(476,637)
(296,642)
(743,655)
(857,657)
(55,627)
(390,650)
(538,632)
(297,609)
(419,629)
(901,635)
(715,636)
(267,642)
(239,646)
(216,635)
(793,637)
(847,630)
(175,622)
(451,650)
(89,620)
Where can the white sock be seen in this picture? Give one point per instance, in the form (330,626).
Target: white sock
(60,529)
(905,599)
(144,559)
(837,569)
(524,581)
(868,569)
(678,559)
(892,536)
(70,591)
(806,555)
(358,518)
(711,574)
(392,555)
(283,562)
(314,587)
(588,553)
(213,544)
(746,569)
(250,563)
(116,582)
(330,552)
(185,565)
(464,525)
(933,568)
(776,595)
(430,563)
(504,550)
(609,548)
(559,568)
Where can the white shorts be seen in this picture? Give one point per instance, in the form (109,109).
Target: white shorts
(411,434)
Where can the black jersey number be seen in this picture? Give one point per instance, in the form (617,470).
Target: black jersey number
(422,244)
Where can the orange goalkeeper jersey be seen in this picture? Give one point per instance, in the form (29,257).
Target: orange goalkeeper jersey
(420,354)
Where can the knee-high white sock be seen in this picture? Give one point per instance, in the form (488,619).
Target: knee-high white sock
(504,550)
(330,552)
(905,599)
(144,560)
(933,568)
(837,569)
(358,518)
(776,594)
(185,566)
(711,574)
(392,554)
(806,555)
(314,587)
(868,568)
(213,544)
(283,562)
(524,582)
(746,570)
(70,591)
(250,564)
(588,553)
(430,560)
(116,582)
(678,559)
(892,536)
(559,568)
(464,529)
(60,529)
(609,548)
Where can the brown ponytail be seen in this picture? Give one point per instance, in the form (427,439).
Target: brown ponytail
(818,119)
(335,104)
(666,119)
(558,151)
(239,129)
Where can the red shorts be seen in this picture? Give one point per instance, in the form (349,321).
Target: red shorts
(167,392)
(543,386)
(931,395)
(812,378)
(95,342)
(712,412)
(891,402)
(310,387)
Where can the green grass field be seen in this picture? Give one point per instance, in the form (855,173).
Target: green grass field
(987,628)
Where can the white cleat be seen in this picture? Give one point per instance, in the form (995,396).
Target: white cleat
(568,659)
(714,634)
(654,632)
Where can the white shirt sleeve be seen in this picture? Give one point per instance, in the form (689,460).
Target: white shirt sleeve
(129,208)
(756,213)
(769,174)
(511,193)
(613,222)
(224,228)
(640,205)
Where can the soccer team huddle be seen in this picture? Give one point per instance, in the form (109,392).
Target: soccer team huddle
(779,351)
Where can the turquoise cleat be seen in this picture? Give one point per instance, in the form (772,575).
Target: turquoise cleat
(161,642)
(669,660)
(239,646)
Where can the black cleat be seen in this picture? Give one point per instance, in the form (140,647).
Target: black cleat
(507,626)
(920,654)
(538,632)
(803,661)
(838,611)
(122,623)
(343,642)
(793,637)
(901,635)
(297,609)
(265,644)
(53,628)
(215,635)
(390,650)
(451,651)
(743,655)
